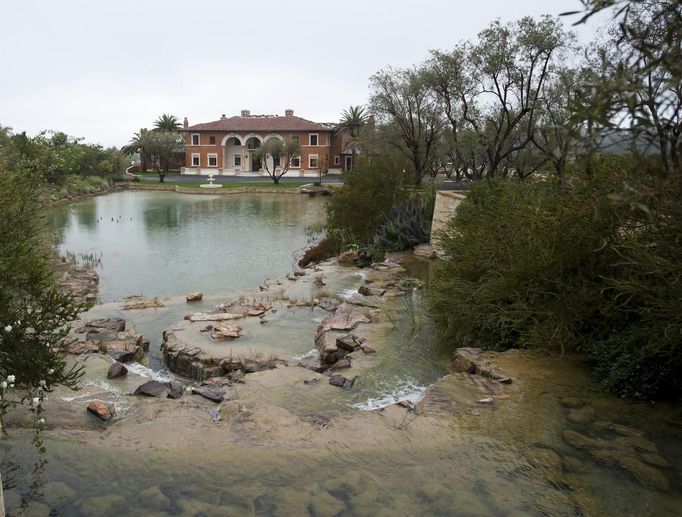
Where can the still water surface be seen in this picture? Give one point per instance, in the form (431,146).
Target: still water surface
(163,243)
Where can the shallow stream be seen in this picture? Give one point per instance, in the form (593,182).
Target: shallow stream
(297,453)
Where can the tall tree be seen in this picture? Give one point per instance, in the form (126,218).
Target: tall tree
(510,64)
(353,120)
(276,157)
(167,122)
(402,103)
(136,145)
(162,146)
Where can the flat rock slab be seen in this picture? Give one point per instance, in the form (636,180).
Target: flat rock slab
(214,316)
(341,321)
(365,290)
(82,347)
(136,302)
(472,361)
(171,390)
(105,325)
(124,351)
(211,393)
(341,381)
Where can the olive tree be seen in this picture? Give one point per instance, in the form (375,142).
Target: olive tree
(405,107)
(276,156)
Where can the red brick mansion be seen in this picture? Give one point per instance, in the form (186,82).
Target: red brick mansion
(228,146)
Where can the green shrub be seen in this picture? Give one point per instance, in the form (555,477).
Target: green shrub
(34,314)
(591,266)
(371,189)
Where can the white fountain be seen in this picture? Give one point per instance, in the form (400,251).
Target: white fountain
(210,183)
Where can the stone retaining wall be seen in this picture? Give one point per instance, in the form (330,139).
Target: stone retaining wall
(215,191)
(445,207)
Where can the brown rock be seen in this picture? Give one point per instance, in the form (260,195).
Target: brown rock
(101,410)
(647,476)
(124,351)
(117,370)
(348,257)
(213,393)
(371,291)
(346,343)
(654,459)
(137,302)
(194,297)
(341,364)
(368,349)
(82,347)
(472,361)
(225,331)
(571,402)
(581,416)
(105,325)
(573,465)
(340,321)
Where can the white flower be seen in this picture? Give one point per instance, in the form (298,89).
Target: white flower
(11,385)
(47,345)
(3,384)
(8,328)
(42,420)
(36,401)
(11,378)
(18,323)
(42,383)
(50,371)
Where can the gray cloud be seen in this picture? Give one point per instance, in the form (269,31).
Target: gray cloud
(102,70)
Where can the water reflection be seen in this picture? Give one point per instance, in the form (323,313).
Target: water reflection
(162,244)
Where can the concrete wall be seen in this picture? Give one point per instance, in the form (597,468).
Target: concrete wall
(447,202)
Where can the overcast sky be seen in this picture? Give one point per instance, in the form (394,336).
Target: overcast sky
(103,69)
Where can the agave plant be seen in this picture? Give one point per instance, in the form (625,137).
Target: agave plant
(405,226)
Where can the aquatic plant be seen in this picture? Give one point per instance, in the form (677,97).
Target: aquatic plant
(405,226)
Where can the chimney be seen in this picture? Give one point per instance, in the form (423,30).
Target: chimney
(223,117)
(185,123)
(246,113)
(289,113)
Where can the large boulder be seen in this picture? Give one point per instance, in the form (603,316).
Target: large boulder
(171,390)
(117,370)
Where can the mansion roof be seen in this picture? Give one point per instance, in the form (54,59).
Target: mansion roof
(258,123)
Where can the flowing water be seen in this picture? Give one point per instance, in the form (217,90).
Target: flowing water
(318,451)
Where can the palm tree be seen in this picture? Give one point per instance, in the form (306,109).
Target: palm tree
(353,120)
(167,122)
(137,144)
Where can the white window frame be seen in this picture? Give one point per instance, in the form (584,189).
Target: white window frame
(337,159)
(310,139)
(295,162)
(212,155)
(198,138)
(312,157)
(198,157)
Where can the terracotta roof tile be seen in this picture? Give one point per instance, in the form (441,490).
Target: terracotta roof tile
(260,123)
